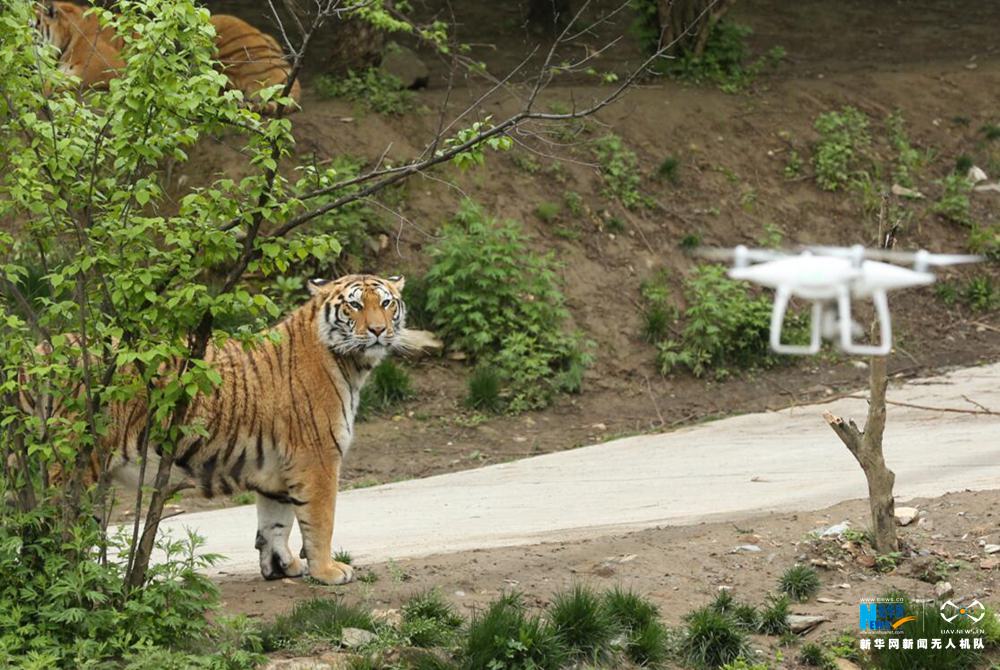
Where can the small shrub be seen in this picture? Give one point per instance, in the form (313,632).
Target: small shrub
(774,616)
(319,617)
(725,327)
(484,390)
(908,159)
(712,639)
(991,131)
(574,203)
(580,619)
(843,138)
(526,163)
(723,61)
(980,295)
(690,242)
(659,310)
(669,169)
(388,385)
(429,620)
(494,299)
(985,240)
(800,582)
(619,169)
(614,225)
(946,292)
(954,204)
(815,656)
(793,167)
(505,637)
(647,640)
(547,211)
(963,164)
(375,89)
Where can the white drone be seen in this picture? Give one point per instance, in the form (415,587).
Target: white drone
(830,277)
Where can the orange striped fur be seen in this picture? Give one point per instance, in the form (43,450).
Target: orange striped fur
(282,419)
(251,59)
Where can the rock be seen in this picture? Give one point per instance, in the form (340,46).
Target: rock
(906,515)
(304,663)
(457,356)
(976,174)
(905,192)
(393,617)
(802,623)
(352,638)
(991,548)
(943,590)
(752,548)
(989,564)
(983,188)
(830,601)
(405,65)
(835,530)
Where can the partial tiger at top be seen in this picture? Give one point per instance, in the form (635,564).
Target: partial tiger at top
(250,59)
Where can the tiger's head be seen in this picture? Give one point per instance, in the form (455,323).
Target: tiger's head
(54,22)
(360,314)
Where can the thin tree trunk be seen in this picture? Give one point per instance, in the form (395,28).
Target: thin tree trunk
(685,25)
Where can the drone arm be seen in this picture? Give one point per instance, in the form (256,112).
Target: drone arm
(781,298)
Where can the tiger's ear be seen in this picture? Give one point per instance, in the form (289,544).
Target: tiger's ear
(398,282)
(50,9)
(315,284)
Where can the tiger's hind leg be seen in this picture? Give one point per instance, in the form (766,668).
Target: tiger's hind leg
(274,525)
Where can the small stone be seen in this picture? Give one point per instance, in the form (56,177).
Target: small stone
(991,548)
(906,515)
(460,594)
(457,356)
(943,589)
(599,426)
(989,564)
(905,192)
(830,601)
(352,638)
(751,548)
(801,623)
(845,585)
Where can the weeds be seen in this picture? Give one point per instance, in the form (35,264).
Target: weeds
(774,616)
(504,636)
(669,169)
(844,138)
(723,61)
(793,166)
(619,169)
(376,90)
(429,621)
(388,385)
(494,299)
(484,390)
(985,240)
(580,618)
(318,618)
(909,161)
(725,328)
(712,639)
(547,211)
(659,311)
(647,640)
(954,204)
(800,583)
(980,295)
(990,131)
(815,656)
(574,203)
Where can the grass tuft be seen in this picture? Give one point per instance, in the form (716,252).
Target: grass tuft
(319,618)
(388,386)
(800,582)
(647,640)
(484,390)
(547,211)
(669,169)
(504,636)
(815,656)
(580,618)
(774,616)
(712,639)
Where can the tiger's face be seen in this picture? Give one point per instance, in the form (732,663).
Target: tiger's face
(51,22)
(360,314)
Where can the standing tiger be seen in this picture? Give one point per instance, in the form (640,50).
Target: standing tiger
(250,59)
(282,420)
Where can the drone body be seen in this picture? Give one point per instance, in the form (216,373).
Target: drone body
(830,278)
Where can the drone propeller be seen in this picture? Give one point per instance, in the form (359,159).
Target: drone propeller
(921,259)
(740,255)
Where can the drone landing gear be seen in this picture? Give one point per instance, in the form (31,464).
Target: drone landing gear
(778,320)
(881,302)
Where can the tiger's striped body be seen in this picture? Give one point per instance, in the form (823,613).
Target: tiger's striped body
(251,60)
(282,420)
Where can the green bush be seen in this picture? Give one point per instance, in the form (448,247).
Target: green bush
(505,637)
(800,582)
(377,90)
(647,641)
(712,639)
(954,204)
(319,618)
(619,169)
(497,301)
(388,385)
(723,61)
(61,607)
(843,139)
(774,616)
(580,619)
(980,295)
(725,327)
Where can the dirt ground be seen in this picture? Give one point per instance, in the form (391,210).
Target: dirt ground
(938,63)
(682,568)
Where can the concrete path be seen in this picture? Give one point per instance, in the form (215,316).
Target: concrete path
(787,460)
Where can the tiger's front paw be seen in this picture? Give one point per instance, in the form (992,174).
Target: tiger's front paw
(334,572)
